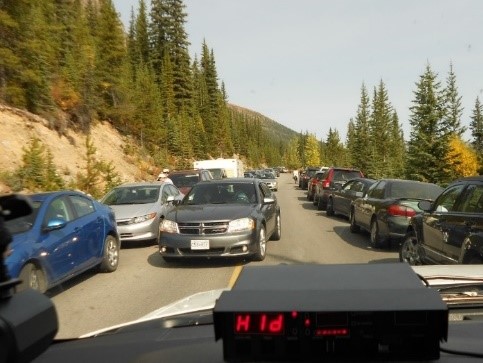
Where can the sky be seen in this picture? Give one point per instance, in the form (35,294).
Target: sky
(302,62)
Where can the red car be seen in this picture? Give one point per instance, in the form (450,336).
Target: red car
(328,182)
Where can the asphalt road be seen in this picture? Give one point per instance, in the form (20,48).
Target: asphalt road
(144,282)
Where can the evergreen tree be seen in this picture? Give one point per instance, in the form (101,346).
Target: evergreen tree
(476,127)
(334,149)
(362,136)
(454,110)
(167,35)
(379,126)
(428,143)
(396,149)
(110,56)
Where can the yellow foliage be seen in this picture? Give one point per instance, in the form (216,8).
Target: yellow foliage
(462,158)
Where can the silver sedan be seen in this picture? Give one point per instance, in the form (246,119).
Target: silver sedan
(140,207)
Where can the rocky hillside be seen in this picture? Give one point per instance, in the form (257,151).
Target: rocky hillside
(18,127)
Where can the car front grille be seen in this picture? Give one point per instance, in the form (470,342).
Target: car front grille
(204,228)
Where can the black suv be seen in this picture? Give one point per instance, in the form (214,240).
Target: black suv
(450,230)
(185,179)
(305,177)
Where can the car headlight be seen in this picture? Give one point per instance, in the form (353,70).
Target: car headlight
(143,218)
(169,226)
(242,224)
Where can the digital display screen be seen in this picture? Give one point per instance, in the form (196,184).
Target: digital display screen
(259,323)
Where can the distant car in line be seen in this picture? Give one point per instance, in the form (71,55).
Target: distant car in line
(270,180)
(185,179)
(332,178)
(140,207)
(340,200)
(450,230)
(232,217)
(67,233)
(387,207)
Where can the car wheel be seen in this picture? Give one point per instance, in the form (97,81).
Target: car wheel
(408,252)
(319,204)
(277,234)
(316,200)
(354,228)
(110,259)
(32,277)
(261,246)
(376,240)
(329,210)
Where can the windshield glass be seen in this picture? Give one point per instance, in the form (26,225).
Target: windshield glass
(102,98)
(132,195)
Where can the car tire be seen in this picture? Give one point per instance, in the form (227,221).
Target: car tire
(261,246)
(353,227)
(32,277)
(329,210)
(408,251)
(375,237)
(110,257)
(277,233)
(319,204)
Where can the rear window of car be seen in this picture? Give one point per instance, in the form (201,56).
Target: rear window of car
(340,175)
(184,180)
(23,224)
(425,191)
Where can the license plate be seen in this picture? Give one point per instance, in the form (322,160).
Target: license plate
(200,244)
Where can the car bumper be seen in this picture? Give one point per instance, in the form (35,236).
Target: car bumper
(397,227)
(232,245)
(139,232)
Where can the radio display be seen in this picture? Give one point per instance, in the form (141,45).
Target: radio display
(259,323)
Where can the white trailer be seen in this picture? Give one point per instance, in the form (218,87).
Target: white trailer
(233,167)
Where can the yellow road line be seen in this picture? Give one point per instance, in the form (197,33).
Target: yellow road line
(234,275)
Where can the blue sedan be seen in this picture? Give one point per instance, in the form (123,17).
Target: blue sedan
(67,234)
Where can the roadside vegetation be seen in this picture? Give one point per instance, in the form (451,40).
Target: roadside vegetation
(73,63)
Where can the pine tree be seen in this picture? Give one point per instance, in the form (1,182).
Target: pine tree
(454,110)
(428,144)
(476,127)
(362,137)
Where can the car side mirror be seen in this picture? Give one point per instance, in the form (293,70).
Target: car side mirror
(424,205)
(55,223)
(268,200)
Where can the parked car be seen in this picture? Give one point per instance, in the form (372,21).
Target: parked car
(450,230)
(313,182)
(341,199)
(270,180)
(305,176)
(67,233)
(386,208)
(185,179)
(140,207)
(329,182)
(222,218)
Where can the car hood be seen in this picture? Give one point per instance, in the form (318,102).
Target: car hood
(123,211)
(191,213)
(197,302)
(435,275)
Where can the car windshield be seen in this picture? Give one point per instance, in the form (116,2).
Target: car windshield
(132,195)
(288,99)
(222,193)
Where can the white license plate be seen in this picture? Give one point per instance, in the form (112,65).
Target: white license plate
(200,244)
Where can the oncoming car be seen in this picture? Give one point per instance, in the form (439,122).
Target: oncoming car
(222,218)
(67,233)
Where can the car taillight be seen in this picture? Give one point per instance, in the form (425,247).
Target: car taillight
(326,184)
(400,210)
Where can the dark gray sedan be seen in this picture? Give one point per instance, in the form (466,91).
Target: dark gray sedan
(222,218)
(340,200)
(387,207)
